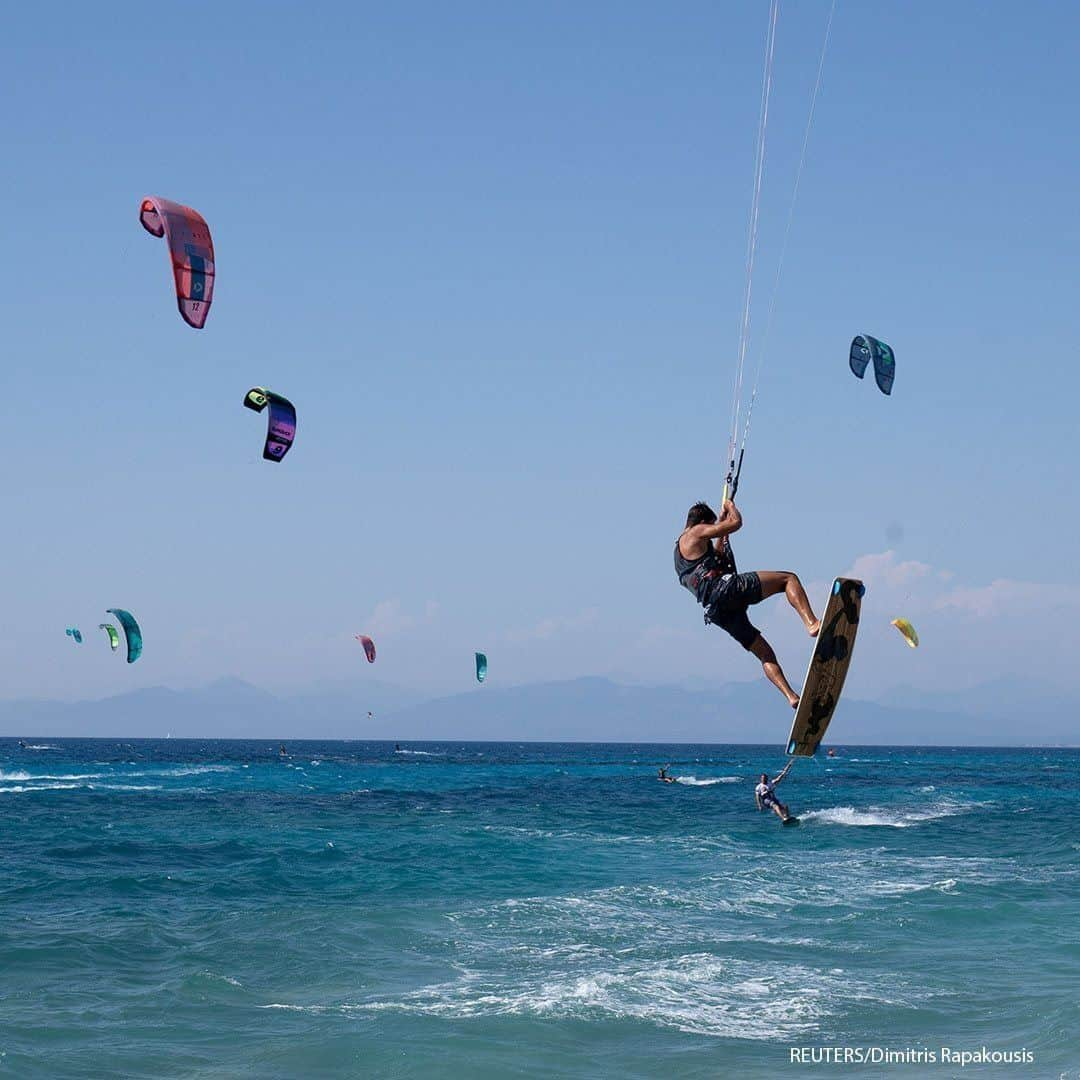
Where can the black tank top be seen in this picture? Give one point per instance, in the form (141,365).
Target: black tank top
(701,576)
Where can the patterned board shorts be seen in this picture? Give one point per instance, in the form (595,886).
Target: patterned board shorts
(729,604)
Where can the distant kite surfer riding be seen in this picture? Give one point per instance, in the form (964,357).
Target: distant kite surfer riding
(765,793)
(705,565)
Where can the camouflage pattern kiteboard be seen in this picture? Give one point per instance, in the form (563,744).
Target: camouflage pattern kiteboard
(828,667)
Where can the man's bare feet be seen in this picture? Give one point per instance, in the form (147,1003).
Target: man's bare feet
(793,701)
(814,627)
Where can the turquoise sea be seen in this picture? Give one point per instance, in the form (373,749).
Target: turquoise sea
(213,909)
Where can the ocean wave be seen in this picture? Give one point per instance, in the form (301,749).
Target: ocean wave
(188,770)
(83,784)
(124,787)
(120,774)
(215,977)
(422,753)
(19,789)
(693,781)
(902,888)
(4,777)
(40,746)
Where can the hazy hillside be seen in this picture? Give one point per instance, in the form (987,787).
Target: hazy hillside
(589,709)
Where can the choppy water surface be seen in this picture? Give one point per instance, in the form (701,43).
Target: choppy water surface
(469,909)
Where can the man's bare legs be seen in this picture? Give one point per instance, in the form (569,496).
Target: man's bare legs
(775,581)
(773,672)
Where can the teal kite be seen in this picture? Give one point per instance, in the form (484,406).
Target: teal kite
(131,632)
(866,348)
(481,667)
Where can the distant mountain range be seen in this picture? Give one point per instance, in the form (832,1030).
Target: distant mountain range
(588,709)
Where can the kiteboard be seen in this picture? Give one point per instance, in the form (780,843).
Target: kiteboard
(828,667)
(791,819)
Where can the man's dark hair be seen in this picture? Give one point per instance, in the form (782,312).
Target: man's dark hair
(701,513)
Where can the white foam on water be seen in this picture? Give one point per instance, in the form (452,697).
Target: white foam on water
(902,888)
(697,993)
(21,788)
(191,770)
(124,787)
(51,776)
(693,781)
(893,818)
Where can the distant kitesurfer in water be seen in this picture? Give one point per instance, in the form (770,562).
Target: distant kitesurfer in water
(282,752)
(705,565)
(662,775)
(765,793)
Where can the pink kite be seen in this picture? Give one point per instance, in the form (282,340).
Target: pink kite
(191,252)
(369,647)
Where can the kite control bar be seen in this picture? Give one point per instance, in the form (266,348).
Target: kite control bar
(731,483)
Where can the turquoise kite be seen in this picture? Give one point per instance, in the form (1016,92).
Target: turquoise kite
(481,667)
(131,632)
(75,634)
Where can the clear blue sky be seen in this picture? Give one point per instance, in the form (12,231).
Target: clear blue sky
(494,254)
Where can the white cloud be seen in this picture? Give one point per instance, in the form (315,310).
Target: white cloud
(553,626)
(388,619)
(884,569)
(1006,597)
(922,587)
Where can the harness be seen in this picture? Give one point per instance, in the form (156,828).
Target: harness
(768,795)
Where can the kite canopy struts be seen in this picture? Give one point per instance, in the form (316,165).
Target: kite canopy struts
(191,252)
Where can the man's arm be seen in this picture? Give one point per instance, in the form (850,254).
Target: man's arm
(729,521)
(784,771)
(757,799)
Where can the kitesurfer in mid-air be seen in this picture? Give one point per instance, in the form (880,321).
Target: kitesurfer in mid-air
(765,793)
(705,565)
